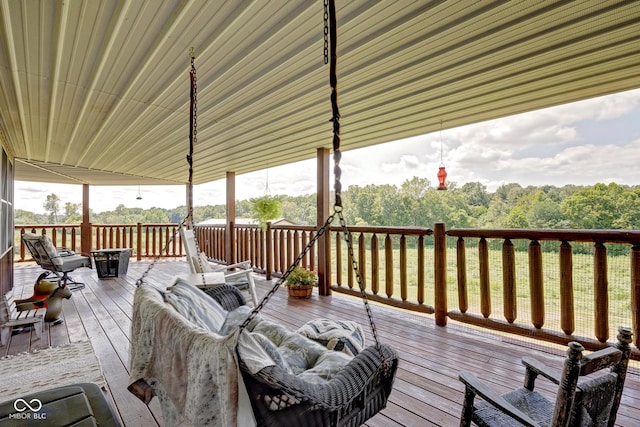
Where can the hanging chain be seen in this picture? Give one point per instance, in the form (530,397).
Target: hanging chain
(193,130)
(144,275)
(326,31)
(335,112)
(337,172)
(281,280)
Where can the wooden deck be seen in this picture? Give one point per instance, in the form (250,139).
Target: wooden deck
(426,392)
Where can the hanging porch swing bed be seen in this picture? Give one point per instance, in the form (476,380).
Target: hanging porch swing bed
(213,361)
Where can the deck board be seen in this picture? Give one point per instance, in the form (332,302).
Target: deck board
(426,392)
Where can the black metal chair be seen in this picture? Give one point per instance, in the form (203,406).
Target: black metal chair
(582,399)
(59,261)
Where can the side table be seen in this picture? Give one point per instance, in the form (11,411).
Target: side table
(111,262)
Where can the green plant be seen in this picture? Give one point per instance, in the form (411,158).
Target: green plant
(301,277)
(265,208)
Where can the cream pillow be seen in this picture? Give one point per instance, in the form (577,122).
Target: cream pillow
(201,263)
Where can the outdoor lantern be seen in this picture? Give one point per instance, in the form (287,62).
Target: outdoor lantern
(442,176)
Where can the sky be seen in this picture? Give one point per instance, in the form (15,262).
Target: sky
(583,143)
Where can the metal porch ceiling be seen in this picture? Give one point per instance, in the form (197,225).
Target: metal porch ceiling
(97,92)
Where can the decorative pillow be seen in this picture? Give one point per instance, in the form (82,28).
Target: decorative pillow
(235,318)
(326,367)
(196,306)
(50,250)
(201,263)
(345,336)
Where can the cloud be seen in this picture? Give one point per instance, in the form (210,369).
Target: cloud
(597,140)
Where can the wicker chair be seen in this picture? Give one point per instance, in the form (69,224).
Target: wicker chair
(278,398)
(355,394)
(582,399)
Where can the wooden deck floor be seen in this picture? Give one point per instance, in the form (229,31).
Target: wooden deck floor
(426,392)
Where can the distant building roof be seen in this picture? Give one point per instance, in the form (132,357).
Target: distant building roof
(245,221)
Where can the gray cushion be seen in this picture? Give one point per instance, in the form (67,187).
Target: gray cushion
(196,306)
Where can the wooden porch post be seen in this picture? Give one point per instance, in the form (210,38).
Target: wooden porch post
(322,209)
(440,268)
(230,244)
(85,227)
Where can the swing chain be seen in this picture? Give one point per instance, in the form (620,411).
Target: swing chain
(165,250)
(194,79)
(326,31)
(361,286)
(283,278)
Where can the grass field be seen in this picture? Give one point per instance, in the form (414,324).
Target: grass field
(619,288)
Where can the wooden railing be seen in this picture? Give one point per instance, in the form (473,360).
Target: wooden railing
(556,301)
(146,240)
(527,282)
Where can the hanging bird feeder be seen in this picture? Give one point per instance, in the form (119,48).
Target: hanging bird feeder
(442,176)
(442,173)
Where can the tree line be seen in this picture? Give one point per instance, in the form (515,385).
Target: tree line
(415,203)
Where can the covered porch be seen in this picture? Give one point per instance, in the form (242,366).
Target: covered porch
(426,392)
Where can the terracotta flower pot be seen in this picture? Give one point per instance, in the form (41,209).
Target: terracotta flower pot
(301,291)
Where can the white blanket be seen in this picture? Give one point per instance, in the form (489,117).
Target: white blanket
(190,369)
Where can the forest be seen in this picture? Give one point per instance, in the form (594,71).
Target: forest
(415,203)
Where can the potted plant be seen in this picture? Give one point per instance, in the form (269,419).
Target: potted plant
(265,208)
(300,282)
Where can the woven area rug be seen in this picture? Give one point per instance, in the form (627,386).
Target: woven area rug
(44,369)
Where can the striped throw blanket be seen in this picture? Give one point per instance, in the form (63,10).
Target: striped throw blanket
(345,336)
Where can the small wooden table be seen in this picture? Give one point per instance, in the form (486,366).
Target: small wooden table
(211,279)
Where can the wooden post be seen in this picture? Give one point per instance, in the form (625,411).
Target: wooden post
(85,227)
(420,290)
(567,316)
(635,293)
(139,242)
(322,213)
(375,265)
(536,284)
(485,285)
(230,247)
(440,268)
(269,249)
(388,266)
(509,281)
(362,260)
(601,284)
(461,257)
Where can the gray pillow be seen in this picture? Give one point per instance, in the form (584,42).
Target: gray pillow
(196,306)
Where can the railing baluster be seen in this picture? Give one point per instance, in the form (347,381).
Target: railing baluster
(338,259)
(420,290)
(601,284)
(635,293)
(461,257)
(375,265)
(567,315)
(485,285)
(362,259)
(509,281)
(388,266)
(403,268)
(536,284)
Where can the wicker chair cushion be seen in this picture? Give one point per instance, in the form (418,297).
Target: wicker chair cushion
(196,306)
(292,352)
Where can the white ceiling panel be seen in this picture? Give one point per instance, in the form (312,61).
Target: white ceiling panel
(97,92)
